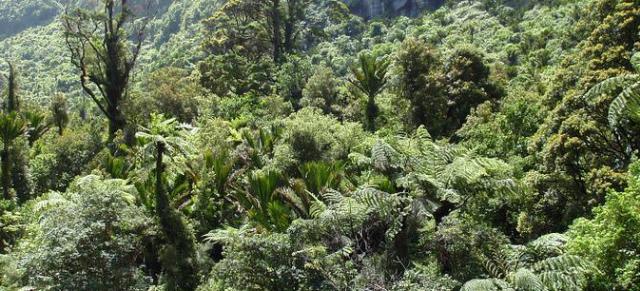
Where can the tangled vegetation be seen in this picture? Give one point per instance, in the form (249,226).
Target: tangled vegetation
(320,145)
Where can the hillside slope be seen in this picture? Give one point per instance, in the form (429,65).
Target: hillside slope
(36,43)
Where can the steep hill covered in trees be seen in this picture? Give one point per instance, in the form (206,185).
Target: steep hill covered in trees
(320,145)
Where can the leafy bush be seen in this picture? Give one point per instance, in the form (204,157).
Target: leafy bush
(610,239)
(88,238)
(60,159)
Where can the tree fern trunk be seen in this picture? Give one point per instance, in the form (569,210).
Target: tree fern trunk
(371,114)
(6,172)
(179,256)
(276,22)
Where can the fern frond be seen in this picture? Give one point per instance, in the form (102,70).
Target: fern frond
(493,269)
(627,104)
(383,156)
(561,263)
(550,244)
(485,285)
(610,85)
(422,134)
(225,236)
(317,208)
(561,281)
(332,196)
(359,159)
(524,279)
(376,199)
(635,62)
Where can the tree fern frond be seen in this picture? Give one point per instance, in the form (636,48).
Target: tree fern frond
(524,279)
(561,263)
(384,203)
(359,159)
(486,285)
(626,104)
(226,235)
(550,244)
(493,269)
(332,196)
(562,281)
(383,156)
(635,62)
(422,134)
(608,86)
(316,209)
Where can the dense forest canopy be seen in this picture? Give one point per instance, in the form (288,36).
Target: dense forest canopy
(320,145)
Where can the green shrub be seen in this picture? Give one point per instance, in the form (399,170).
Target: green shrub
(88,238)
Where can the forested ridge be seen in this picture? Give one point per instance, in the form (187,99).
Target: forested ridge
(320,145)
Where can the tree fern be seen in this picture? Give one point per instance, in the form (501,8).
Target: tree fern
(627,102)
(519,271)
(563,263)
(383,156)
(486,285)
(525,279)
(635,62)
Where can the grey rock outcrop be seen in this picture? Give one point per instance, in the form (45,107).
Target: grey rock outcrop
(376,8)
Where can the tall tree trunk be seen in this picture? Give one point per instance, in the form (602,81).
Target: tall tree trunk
(116,121)
(12,98)
(117,85)
(6,172)
(289,26)
(276,20)
(371,113)
(179,256)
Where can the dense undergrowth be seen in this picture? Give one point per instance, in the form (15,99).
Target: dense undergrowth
(292,145)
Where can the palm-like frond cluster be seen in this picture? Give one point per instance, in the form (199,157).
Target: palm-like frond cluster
(626,105)
(537,266)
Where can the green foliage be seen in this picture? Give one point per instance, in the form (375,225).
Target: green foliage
(531,268)
(321,90)
(262,201)
(370,77)
(171,91)
(88,238)
(291,86)
(12,101)
(422,86)
(178,255)
(608,240)
(38,125)
(312,136)
(468,85)
(60,159)
(235,74)
(627,103)
(491,126)
(11,128)
(18,16)
(60,112)
(98,42)
(256,262)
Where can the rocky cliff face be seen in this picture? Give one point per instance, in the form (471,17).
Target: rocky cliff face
(375,8)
